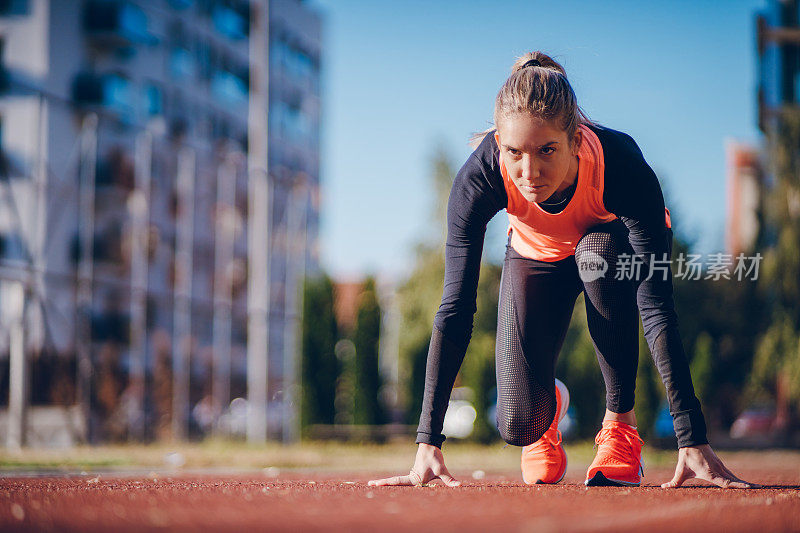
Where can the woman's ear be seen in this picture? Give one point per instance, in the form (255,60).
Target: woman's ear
(576,142)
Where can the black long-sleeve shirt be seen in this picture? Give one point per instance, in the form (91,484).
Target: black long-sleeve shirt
(633,194)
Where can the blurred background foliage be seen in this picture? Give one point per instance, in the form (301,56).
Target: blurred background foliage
(319,366)
(775,376)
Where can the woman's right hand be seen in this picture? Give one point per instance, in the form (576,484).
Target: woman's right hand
(429,465)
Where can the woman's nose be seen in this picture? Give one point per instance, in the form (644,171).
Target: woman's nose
(530,170)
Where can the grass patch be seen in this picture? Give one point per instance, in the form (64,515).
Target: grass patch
(326,456)
(397,457)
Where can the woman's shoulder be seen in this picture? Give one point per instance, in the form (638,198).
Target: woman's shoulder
(629,182)
(486,151)
(483,162)
(480,177)
(616,144)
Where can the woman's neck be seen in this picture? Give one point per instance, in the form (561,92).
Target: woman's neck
(573,177)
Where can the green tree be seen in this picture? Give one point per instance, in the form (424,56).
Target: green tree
(776,368)
(368,408)
(319,366)
(776,361)
(702,368)
(418,300)
(719,322)
(419,296)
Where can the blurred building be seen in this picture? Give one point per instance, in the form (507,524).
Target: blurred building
(346,299)
(778,42)
(743,190)
(148,101)
(778,48)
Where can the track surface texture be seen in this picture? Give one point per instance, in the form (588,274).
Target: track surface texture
(301,501)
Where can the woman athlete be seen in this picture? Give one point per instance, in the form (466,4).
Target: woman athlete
(586,213)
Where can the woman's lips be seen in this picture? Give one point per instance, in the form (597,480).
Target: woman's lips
(532,187)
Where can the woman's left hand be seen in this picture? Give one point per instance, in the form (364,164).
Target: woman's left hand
(700,462)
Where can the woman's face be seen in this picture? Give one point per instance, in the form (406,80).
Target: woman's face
(538,156)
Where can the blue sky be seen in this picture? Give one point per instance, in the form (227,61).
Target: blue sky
(401,78)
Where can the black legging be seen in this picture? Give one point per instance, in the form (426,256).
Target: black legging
(536,303)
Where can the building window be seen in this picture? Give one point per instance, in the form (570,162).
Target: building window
(4,76)
(181,4)
(204,64)
(117,22)
(12,247)
(228,87)
(290,122)
(292,59)
(206,7)
(133,23)
(221,128)
(231,20)
(116,169)
(181,64)
(117,93)
(154,100)
(14,7)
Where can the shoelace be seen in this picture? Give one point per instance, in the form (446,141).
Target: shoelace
(617,434)
(547,442)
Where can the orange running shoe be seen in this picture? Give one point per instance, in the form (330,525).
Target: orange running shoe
(619,457)
(545,461)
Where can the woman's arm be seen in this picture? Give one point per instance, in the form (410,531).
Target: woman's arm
(476,196)
(632,192)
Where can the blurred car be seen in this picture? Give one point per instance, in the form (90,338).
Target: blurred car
(753,422)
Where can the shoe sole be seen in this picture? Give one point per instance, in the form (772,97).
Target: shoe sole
(599,480)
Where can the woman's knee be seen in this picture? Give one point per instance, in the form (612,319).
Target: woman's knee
(522,429)
(598,251)
(517,435)
(605,241)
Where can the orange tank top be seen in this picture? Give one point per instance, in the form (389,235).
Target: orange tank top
(537,234)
